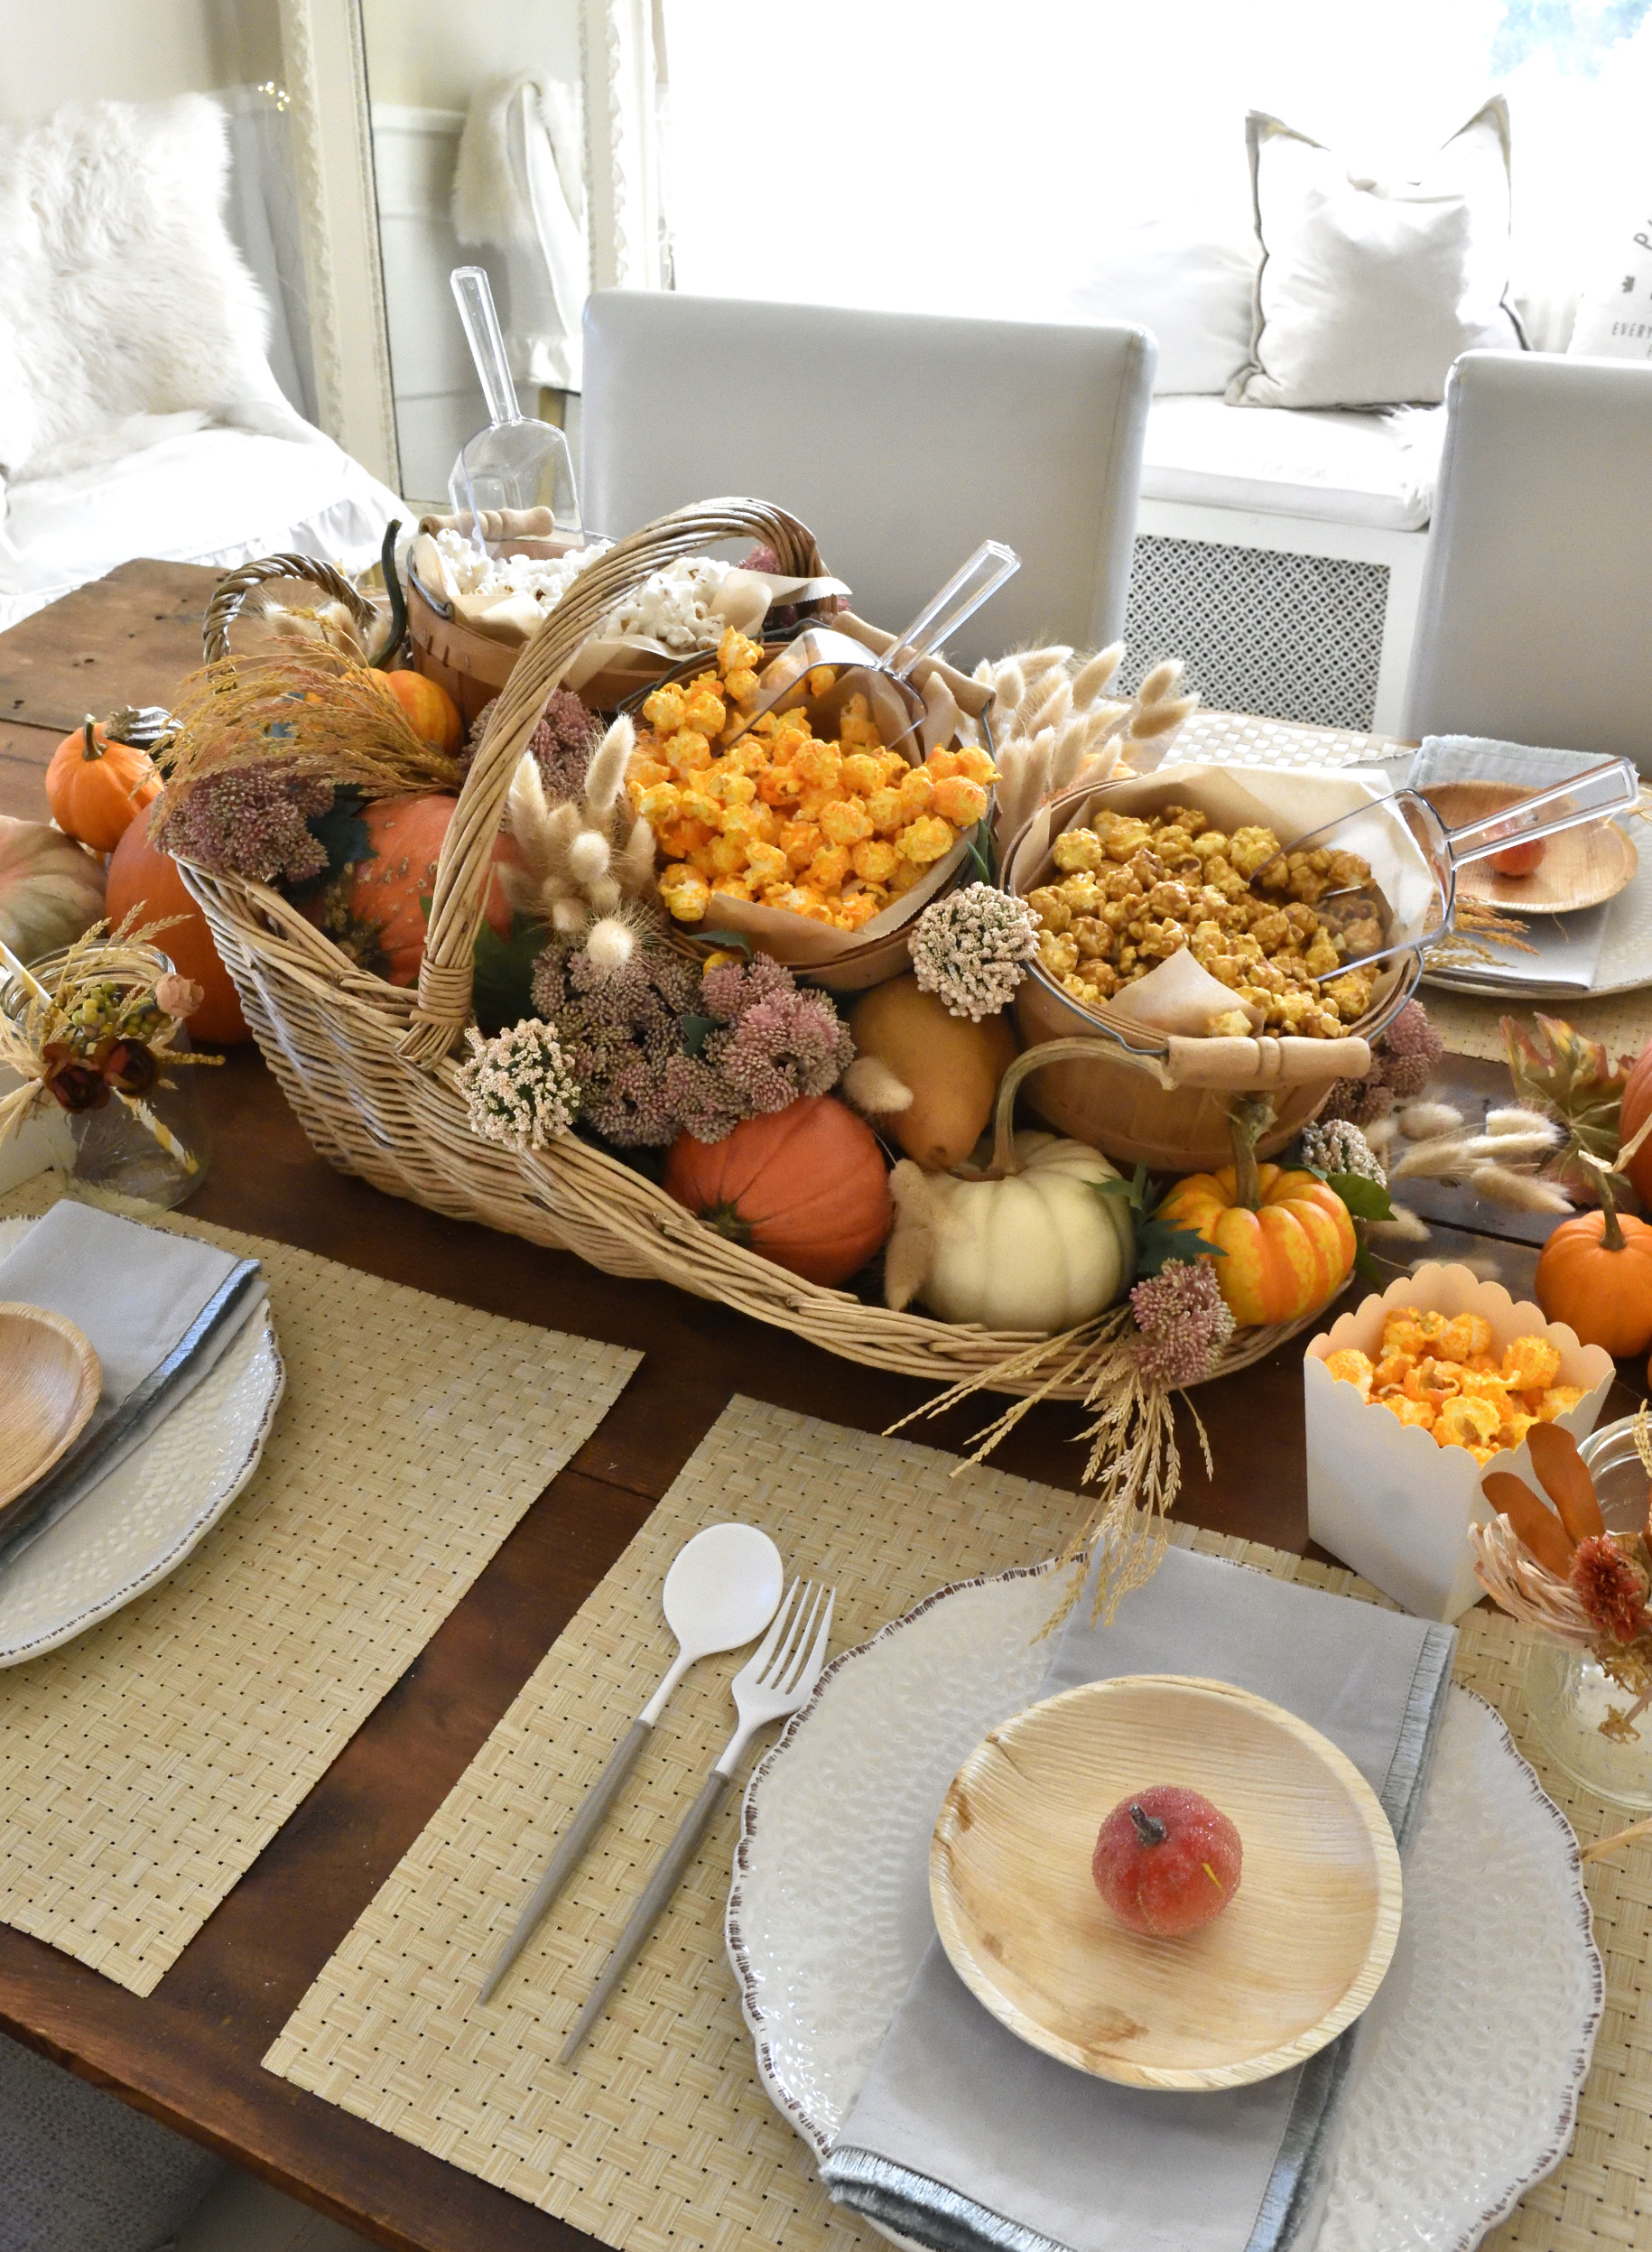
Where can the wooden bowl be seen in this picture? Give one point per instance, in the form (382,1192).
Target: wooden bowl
(1294,1959)
(1580,868)
(49,1379)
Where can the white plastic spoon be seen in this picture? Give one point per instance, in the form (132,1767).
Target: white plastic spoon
(720,1593)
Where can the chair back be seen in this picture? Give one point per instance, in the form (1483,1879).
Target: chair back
(1536,620)
(902,440)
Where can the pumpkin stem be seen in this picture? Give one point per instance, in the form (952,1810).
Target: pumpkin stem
(1248,1119)
(1004,1158)
(88,733)
(1611,1233)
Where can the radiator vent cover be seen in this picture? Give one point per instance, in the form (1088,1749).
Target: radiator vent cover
(1290,636)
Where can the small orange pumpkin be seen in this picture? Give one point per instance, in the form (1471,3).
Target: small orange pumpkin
(142,876)
(1289,1244)
(1595,1274)
(96,786)
(805,1186)
(380,917)
(431,713)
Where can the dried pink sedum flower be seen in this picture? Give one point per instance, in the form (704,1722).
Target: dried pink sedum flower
(1184,1323)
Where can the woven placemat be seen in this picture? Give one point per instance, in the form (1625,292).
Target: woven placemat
(664,2137)
(145,1767)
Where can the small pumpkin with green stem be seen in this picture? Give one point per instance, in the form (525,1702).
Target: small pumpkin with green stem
(1034,1239)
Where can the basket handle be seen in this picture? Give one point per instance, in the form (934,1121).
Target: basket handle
(233,589)
(465,865)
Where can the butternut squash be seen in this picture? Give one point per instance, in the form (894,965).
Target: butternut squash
(948,1066)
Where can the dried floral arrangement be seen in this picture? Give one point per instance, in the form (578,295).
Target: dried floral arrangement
(1558,1568)
(109,1029)
(1055,724)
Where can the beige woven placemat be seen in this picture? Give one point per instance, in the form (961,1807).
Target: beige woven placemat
(145,1767)
(663,2138)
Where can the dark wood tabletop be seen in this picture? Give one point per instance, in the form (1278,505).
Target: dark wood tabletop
(188,2053)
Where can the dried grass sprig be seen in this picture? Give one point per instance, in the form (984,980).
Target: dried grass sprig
(1054,725)
(1134,1463)
(315,711)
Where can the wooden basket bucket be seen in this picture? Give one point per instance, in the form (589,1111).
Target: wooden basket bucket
(1157,1099)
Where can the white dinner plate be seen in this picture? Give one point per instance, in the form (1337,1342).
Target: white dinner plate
(1473,2052)
(140,1523)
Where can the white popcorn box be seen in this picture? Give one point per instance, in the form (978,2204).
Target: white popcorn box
(1382,1495)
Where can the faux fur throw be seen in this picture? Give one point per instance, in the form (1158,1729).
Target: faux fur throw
(125,312)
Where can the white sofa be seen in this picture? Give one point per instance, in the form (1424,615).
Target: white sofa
(1280,552)
(138,412)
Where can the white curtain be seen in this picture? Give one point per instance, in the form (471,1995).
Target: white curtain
(518,187)
(623,53)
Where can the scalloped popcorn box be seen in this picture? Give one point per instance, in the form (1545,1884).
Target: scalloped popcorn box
(1381,1494)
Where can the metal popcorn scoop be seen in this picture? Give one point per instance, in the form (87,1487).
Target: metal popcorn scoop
(1423,910)
(881,677)
(518,461)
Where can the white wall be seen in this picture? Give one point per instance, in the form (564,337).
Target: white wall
(426,59)
(137,50)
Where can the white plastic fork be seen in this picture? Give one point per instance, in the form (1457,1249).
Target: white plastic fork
(771,1686)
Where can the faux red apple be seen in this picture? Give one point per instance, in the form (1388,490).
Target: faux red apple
(1520,859)
(1167,1861)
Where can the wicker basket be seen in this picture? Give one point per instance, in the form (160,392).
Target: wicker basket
(370,1071)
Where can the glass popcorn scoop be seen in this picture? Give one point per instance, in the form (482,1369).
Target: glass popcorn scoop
(518,461)
(885,681)
(1413,904)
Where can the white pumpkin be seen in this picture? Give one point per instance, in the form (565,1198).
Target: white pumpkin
(51,887)
(1043,1249)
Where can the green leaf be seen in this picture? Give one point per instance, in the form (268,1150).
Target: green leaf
(1367,1199)
(696,1030)
(1366,1269)
(736,940)
(503,970)
(1158,1245)
(342,835)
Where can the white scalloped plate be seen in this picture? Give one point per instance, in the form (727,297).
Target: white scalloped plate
(1475,2048)
(141,1522)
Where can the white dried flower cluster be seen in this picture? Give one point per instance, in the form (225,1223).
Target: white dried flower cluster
(546,578)
(673,607)
(1335,1146)
(972,949)
(517,1086)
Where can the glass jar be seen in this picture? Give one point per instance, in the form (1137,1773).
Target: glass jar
(1567,1693)
(114,1147)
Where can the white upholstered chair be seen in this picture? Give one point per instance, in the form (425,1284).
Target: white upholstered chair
(1535,624)
(902,441)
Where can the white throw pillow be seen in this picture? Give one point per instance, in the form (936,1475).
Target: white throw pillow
(1614,315)
(1368,290)
(123,304)
(1191,284)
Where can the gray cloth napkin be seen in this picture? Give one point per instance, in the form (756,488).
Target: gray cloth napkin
(160,1311)
(1568,947)
(964,2138)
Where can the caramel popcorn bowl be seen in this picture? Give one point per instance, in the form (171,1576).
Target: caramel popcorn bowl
(1382,1495)
(1158,1092)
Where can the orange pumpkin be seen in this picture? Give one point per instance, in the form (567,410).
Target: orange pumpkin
(97,786)
(1637,1109)
(1289,1253)
(805,1186)
(380,917)
(141,876)
(1595,1274)
(432,712)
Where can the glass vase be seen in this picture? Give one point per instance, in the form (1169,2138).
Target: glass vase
(1568,1694)
(114,1147)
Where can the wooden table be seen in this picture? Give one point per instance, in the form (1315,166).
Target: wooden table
(188,2054)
